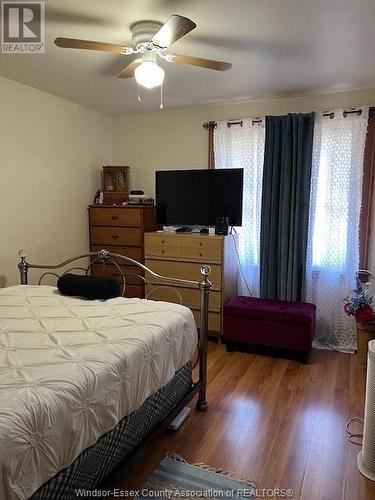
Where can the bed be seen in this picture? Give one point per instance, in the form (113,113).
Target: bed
(84,383)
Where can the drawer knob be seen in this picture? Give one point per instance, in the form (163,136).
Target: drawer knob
(114,217)
(115,236)
(162,241)
(201,244)
(162,251)
(200,254)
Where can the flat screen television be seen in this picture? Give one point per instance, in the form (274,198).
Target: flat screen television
(198,197)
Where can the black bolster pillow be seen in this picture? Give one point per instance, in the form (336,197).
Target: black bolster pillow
(89,287)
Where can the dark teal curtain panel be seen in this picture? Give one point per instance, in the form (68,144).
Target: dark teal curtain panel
(285,206)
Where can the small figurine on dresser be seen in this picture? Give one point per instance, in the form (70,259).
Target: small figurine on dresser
(98,198)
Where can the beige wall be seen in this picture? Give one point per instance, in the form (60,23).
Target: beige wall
(173,139)
(51,151)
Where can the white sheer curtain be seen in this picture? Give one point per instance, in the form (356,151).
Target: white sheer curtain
(333,246)
(243,147)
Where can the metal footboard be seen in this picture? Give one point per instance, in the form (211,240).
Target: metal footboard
(104,257)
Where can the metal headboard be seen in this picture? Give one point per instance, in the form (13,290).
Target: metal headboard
(106,257)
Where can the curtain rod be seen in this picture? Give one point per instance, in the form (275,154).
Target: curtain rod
(330,114)
(212,124)
(209,125)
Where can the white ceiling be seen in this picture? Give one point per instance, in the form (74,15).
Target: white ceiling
(277,47)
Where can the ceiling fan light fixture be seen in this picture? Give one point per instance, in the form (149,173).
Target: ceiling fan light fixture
(149,74)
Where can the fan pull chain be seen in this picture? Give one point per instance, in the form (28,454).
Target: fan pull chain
(138,93)
(161,97)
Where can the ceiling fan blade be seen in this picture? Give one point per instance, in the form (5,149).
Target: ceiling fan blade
(128,72)
(172,30)
(204,63)
(73,43)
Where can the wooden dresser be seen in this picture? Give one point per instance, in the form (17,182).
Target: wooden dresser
(181,256)
(120,229)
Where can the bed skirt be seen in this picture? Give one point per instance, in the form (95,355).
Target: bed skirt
(96,463)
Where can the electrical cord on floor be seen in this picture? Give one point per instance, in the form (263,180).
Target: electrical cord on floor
(354,437)
(250,292)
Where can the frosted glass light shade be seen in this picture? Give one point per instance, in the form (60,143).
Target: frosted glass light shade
(149,74)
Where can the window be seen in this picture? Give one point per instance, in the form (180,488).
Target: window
(335,206)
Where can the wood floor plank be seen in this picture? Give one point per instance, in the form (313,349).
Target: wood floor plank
(279,422)
(328,439)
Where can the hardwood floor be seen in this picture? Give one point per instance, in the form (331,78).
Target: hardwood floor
(278,422)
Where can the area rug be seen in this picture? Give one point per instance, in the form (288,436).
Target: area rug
(176,479)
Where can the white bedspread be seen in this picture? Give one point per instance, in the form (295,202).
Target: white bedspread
(71,369)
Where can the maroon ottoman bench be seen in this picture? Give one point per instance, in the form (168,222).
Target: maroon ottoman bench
(287,326)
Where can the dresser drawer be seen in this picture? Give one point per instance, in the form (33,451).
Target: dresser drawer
(189,247)
(162,246)
(183,270)
(190,296)
(205,248)
(112,272)
(164,251)
(131,217)
(214,320)
(116,236)
(132,252)
(134,291)
(160,239)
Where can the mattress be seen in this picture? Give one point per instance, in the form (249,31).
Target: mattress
(96,467)
(71,369)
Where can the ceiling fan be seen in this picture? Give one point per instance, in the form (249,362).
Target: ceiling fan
(150,40)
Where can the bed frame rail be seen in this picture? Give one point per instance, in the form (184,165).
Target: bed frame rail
(105,257)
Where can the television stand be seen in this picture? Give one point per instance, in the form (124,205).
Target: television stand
(184,229)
